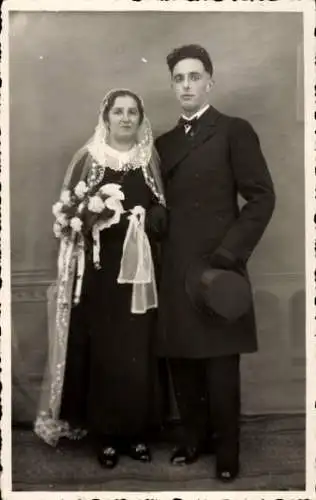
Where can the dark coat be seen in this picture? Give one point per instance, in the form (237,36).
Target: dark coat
(203,175)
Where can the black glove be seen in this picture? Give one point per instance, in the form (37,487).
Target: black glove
(157,221)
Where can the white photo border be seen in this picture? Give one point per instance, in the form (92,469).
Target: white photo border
(307,8)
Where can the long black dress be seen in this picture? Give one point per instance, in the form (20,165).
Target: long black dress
(108,377)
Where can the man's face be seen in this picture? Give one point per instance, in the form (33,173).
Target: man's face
(191,84)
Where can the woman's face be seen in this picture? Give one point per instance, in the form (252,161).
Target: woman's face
(123,119)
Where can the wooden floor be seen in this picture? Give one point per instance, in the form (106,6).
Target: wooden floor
(272,458)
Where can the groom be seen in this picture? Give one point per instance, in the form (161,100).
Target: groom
(207,160)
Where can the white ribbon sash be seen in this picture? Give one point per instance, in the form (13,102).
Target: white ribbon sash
(68,252)
(136,264)
(80,270)
(113,204)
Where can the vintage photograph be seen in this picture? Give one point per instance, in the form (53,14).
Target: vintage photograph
(157,243)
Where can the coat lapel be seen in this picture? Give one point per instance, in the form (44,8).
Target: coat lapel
(180,145)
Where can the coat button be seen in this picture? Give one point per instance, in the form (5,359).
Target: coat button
(196,204)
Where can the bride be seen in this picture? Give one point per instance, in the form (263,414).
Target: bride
(100,361)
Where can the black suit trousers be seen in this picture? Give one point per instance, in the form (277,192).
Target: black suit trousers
(207,393)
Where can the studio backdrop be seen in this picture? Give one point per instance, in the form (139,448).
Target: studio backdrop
(61,65)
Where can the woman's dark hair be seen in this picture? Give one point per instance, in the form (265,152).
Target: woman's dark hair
(121,93)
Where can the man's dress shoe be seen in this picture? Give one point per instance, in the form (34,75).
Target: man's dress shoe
(227,474)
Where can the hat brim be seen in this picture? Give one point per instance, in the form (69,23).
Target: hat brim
(224,293)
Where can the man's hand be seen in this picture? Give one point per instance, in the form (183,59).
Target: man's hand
(220,261)
(157,221)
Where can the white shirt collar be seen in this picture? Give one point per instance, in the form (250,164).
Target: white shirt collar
(197,114)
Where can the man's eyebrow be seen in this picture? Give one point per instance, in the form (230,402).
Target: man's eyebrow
(190,73)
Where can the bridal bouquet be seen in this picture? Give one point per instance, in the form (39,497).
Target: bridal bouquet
(79,209)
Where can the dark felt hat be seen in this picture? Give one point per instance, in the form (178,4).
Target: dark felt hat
(220,292)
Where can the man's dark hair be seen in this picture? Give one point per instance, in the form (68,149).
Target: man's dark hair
(192,51)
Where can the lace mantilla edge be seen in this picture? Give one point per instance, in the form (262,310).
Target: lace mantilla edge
(51,430)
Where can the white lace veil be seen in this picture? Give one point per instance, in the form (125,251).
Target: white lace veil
(144,154)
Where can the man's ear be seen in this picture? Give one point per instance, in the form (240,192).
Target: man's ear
(211,83)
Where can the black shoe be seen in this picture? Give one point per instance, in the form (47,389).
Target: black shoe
(227,474)
(185,455)
(108,457)
(227,459)
(227,464)
(139,451)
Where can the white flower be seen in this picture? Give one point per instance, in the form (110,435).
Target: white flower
(114,204)
(57,208)
(65,197)
(80,207)
(96,204)
(81,189)
(62,220)
(76,224)
(113,190)
(57,230)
